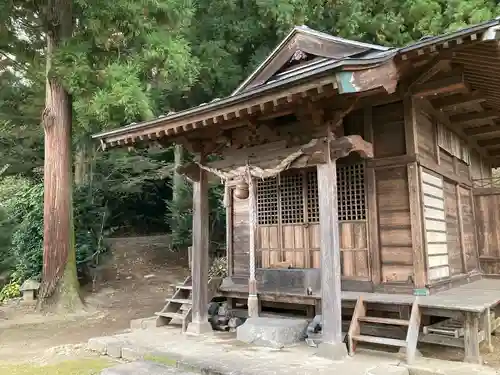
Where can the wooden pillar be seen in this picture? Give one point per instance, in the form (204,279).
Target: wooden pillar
(199,269)
(417,229)
(471,338)
(253,299)
(332,345)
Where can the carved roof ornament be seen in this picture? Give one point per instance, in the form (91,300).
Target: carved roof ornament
(298,56)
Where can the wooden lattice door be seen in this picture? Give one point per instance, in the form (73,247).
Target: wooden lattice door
(288,220)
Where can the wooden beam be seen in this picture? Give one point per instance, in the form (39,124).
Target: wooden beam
(489,142)
(483,131)
(199,269)
(331,301)
(435,88)
(457,100)
(435,68)
(474,118)
(385,75)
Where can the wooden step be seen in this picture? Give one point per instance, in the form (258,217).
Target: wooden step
(180,301)
(389,321)
(380,340)
(171,315)
(186,287)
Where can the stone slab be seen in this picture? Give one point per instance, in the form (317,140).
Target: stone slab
(100,344)
(388,370)
(222,354)
(272,332)
(144,323)
(144,368)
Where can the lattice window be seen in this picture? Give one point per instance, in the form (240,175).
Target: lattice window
(312,197)
(292,198)
(267,201)
(351,192)
(282,200)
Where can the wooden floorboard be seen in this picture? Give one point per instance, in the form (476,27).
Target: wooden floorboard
(473,297)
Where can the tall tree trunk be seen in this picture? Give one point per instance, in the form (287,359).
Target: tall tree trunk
(60,287)
(177,188)
(178,184)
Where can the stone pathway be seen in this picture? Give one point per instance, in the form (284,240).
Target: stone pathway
(222,354)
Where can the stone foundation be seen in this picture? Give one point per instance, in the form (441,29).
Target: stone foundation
(272,332)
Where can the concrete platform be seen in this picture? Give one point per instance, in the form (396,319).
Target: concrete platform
(144,368)
(222,354)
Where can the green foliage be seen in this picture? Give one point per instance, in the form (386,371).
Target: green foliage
(179,217)
(218,268)
(26,211)
(9,291)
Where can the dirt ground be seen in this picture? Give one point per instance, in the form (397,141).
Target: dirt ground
(133,286)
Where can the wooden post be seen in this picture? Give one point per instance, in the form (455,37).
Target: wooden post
(253,299)
(371,195)
(417,230)
(332,345)
(471,338)
(199,269)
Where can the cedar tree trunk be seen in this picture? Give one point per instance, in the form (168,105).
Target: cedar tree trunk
(60,287)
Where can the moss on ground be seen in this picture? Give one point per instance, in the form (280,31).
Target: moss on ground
(77,367)
(161,359)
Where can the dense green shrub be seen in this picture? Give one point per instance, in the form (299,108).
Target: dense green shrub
(179,217)
(26,211)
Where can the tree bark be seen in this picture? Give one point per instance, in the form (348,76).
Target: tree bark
(82,164)
(60,287)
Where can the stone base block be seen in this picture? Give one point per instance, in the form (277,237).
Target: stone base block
(144,368)
(110,346)
(144,323)
(335,352)
(100,344)
(199,328)
(388,370)
(272,332)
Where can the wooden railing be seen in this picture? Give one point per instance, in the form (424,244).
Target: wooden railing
(486,183)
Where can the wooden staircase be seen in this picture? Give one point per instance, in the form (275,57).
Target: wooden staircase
(360,316)
(178,309)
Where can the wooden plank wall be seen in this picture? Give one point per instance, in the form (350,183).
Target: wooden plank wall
(456,186)
(391,225)
(488,231)
(435,224)
(241,239)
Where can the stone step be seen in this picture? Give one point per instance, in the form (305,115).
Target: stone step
(185,287)
(171,315)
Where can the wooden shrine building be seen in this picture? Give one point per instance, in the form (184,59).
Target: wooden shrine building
(352,170)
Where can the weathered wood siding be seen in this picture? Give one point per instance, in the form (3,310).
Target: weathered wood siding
(241,239)
(396,253)
(388,130)
(487,209)
(452,228)
(435,226)
(468,230)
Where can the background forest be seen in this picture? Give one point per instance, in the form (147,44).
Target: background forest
(129,61)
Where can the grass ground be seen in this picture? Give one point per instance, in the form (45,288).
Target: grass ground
(88,366)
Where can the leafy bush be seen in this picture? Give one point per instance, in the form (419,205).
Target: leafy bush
(218,268)
(179,217)
(26,211)
(9,291)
